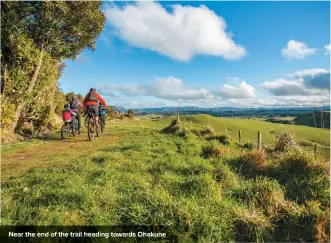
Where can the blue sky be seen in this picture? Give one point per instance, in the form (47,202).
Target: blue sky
(209,54)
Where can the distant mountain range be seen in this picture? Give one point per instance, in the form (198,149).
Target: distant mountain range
(196,109)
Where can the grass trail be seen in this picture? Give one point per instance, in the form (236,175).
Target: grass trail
(134,174)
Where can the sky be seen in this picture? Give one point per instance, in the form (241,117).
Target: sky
(208,54)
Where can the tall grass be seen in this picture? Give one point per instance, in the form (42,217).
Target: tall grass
(199,187)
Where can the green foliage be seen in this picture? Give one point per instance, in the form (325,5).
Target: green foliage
(37,37)
(285,142)
(63,29)
(59,100)
(314,119)
(131,113)
(69,96)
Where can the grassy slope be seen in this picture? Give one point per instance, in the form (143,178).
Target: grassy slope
(134,174)
(250,127)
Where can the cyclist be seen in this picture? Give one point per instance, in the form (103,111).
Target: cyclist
(74,105)
(102,112)
(91,103)
(67,113)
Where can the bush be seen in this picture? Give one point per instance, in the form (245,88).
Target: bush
(257,158)
(176,128)
(285,142)
(208,131)
(131,113)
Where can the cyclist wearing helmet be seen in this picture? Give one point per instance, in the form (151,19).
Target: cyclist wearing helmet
(67,113)
(91,103)
(74,105)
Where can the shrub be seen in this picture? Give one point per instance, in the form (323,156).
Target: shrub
(285,142)
(177,128)
(208,131)
(257,158)
(131,113)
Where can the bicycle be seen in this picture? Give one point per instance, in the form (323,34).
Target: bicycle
(69,127)
(102,119)
(102,122)
(92,127)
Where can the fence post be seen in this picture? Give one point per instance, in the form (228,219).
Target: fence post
(259,139)
(239,136)
(315,150)
(177,115)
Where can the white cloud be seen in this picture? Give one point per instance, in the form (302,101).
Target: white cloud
(169,88)
(297,50)
(314,78)
(243,90)
(297,91)
(283,87)
(309,82)
(181,34)
(309,72)
(327,49)
(281,101)
(173,88)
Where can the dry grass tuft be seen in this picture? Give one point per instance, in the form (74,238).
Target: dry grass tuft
(257,158)
(321,228)
(177,128)
(214,150)
(285,142)
(252,224)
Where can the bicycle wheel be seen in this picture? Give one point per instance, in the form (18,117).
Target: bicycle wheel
(75,125)
(86,122)
(101,122)
(72,127)
(90,130)
(64,131)
(98,132)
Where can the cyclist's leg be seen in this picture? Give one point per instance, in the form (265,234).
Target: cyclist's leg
(96,114)
(78,120)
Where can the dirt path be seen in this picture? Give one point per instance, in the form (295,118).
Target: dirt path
(17,159)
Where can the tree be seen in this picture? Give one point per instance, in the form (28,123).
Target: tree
(58,29)
(131,113)
(110,109)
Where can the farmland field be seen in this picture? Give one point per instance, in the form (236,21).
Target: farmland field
(197,185)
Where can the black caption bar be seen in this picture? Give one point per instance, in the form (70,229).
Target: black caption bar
(86,234)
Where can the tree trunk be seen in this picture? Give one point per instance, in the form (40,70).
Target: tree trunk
(30,88)
(4,77)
